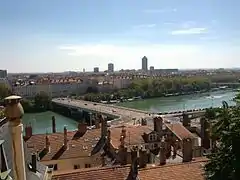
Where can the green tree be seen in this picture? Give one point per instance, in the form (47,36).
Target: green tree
(2,114)
(224,162)
(4,91)
(42,101)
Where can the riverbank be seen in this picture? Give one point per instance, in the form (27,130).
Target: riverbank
(184,102)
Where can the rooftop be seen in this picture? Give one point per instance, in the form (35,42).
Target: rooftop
(181,171)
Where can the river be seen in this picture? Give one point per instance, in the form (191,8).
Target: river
(41,122)
(176,103)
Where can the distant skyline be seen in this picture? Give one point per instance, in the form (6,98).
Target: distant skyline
(69,35)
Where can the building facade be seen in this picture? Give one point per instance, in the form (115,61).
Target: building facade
(145,64)
(110,67)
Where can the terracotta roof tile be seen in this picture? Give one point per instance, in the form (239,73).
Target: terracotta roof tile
(179,130)
(133,135)
(183,171)
(76,147)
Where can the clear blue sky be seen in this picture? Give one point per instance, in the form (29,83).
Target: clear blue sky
(60,35)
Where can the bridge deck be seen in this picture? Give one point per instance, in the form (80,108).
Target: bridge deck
(125,115)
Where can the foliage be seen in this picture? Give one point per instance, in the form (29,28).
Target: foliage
(42,101)
(148,88)
(4,91)
(2,114)
(224,162)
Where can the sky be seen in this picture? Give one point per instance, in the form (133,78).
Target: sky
(64,35)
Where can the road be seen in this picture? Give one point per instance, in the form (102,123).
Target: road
(126,115)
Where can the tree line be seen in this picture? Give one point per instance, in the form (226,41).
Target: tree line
(150,88)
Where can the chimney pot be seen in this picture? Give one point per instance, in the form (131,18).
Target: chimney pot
(14,110)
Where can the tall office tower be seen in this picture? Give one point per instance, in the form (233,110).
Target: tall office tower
(110,67)
(96,69)
(145,64)
(3,73)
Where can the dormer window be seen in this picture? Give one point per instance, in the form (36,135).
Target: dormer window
(152,137)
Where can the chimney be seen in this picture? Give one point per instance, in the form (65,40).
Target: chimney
(103,161)
(133,174)
(134,153)
(187,150)
(186,121)
(34,163)
(28,131)
(123,133)
(65,143)
(108,138)
(97,124)
(47,143)
(14,112)
(103,127)
(158,122)
(205,133)
(82,128)
(53,124)
(163,153)
(142,158)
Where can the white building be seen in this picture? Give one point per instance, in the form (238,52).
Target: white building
(53,89)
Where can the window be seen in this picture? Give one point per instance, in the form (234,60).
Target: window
(87,165)
(152,137)
(76,166)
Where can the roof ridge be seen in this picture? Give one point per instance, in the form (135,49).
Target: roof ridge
(127,166)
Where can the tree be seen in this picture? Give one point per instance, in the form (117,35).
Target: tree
(42,101)
(4,90)
(224,162)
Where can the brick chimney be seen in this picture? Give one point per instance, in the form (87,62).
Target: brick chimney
(34,163)
(65,139)
(142,158)
(14,112)
(158,122)
(28,132)
(53,124)
(162,152)
(187,150)
(103,127)
(47,144)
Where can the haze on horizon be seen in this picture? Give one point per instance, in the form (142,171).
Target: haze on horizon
(62,35)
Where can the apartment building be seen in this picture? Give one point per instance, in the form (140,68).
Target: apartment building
(54,88)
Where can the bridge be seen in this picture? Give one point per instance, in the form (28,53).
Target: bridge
(123,114)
